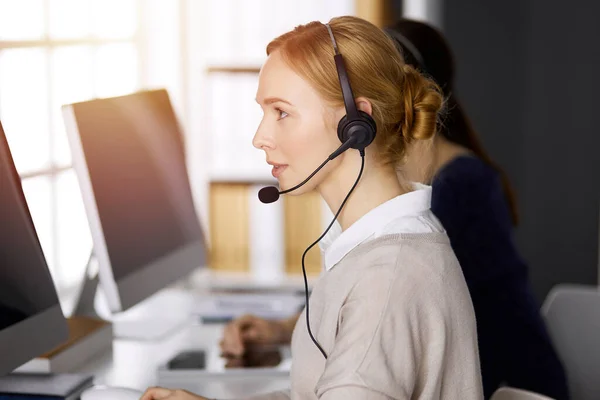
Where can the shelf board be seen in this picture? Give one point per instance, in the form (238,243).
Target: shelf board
(233,69)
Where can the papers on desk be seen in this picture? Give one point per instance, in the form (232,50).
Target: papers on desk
(224,307)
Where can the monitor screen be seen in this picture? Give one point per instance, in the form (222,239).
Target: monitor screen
(28,300)
(133,162)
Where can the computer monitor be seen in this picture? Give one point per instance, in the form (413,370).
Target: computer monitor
(129,157)
(28,301)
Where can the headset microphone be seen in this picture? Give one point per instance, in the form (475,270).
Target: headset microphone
(268,194)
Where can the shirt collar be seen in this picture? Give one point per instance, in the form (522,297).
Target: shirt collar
(336,244)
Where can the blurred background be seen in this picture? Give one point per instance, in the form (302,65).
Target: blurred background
(526,76)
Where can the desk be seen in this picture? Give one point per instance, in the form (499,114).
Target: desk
(134,363)
(206,279)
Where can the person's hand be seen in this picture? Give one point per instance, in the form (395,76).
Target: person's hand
(159,393)
(251,331)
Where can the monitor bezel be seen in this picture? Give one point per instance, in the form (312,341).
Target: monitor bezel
(135,287)
(45,330)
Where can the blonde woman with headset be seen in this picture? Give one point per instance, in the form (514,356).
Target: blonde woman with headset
(391,317)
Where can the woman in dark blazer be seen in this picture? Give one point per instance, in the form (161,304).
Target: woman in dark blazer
(473,199)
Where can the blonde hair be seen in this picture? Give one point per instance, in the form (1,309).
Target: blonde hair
(405,104)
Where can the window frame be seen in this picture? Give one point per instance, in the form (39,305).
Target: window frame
(54,169)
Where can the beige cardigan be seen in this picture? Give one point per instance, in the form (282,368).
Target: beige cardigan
(396,321)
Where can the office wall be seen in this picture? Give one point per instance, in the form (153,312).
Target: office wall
(487,38)
(527,76)
(562,142)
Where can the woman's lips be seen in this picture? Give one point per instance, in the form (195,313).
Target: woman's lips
(278,170)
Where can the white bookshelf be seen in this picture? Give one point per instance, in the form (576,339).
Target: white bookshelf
(233,56)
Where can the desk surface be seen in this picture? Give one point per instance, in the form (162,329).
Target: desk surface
(204,278)
(134,363)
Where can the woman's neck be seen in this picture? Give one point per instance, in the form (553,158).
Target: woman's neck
(427,159)
(377,185)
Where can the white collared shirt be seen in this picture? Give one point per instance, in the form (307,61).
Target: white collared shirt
(407,213)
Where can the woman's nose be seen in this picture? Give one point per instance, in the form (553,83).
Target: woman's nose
(261,140)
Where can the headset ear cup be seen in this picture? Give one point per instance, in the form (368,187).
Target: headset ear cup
(344,124)
(366,117)
(341,130)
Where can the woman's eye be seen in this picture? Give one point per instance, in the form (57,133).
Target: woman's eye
(282,114)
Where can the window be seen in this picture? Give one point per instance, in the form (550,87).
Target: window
(55,52)
(239,32)
(430,11)
(206,53)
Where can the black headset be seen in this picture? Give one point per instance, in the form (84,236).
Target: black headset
(356,125)
(356,130)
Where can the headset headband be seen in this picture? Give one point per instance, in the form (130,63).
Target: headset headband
(349,103)
(407,44)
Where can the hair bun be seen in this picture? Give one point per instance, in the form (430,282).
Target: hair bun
(422,103)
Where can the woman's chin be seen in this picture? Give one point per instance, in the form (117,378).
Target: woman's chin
(288,181)
(297,192)
(283,185)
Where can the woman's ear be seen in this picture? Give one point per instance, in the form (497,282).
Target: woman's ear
(364,104)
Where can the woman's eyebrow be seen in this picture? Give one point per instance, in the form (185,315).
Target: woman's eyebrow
(271,100)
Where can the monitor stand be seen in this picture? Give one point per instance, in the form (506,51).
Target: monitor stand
(90,337)
(145,321)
